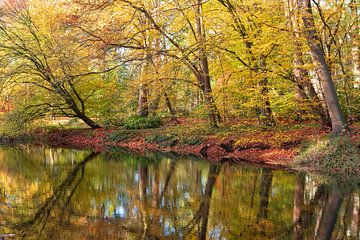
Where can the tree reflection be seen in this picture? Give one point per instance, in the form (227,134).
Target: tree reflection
(59,199)
(129,196)
(329,213)
(298,206)
(265,186)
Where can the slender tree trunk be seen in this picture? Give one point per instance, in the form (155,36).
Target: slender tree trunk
(79,111)
(355,35)
(143,108)
(266,117)
(143,104)
(204,77)
(81,114)
(171,110)
(338,122)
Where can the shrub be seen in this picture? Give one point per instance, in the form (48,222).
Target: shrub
(112,122)
(162,140)
(136,122)
(21,119)
(119,136)
(192,141)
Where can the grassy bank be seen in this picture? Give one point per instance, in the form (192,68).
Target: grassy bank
(236,140)
(288,144)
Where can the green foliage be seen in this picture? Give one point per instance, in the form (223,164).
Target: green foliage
(333,153)
(112,122)
(192,141)
(136,122)
(20,120)
(162,140)
(119,136)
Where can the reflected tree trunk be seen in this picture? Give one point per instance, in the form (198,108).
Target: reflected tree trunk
(355,216)
(205,205)
(201,218)
(329,215)
(298,206)
(143,179)
(265,186)
(156,201)
(60,198)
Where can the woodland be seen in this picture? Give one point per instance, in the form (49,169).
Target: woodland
(223,65)
(180,119)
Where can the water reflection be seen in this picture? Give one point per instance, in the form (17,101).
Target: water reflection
(66,194)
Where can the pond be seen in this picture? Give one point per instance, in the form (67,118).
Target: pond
(48,193)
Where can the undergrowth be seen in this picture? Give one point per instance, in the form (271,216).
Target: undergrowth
(337,155)
(136,122)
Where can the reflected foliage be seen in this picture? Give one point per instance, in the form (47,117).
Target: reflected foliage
(66,194)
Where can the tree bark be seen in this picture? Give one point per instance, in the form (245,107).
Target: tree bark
(171,109)
(204,76)
(354,34)
(88,121)
(305,88)
(338,122)
(265,113)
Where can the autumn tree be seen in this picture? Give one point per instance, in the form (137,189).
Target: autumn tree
(49,63)
(338,121)
(193,55)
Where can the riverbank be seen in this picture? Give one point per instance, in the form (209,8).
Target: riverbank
(236,142)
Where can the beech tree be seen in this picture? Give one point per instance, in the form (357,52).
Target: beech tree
(182,58)
(33,58)
(338,122)
(197,63)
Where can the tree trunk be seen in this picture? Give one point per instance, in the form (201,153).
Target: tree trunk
(204,77)
(89,122)
(171,110)
(81,113)
(265,113)
(305,87)
(354,34)
(143,108)
(338,122)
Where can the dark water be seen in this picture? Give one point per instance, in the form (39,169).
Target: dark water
(66,194)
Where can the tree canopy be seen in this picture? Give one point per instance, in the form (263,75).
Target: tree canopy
(220,59)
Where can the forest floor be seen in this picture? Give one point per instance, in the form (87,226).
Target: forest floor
(236,141)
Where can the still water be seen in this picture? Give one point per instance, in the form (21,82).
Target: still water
(50,193)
